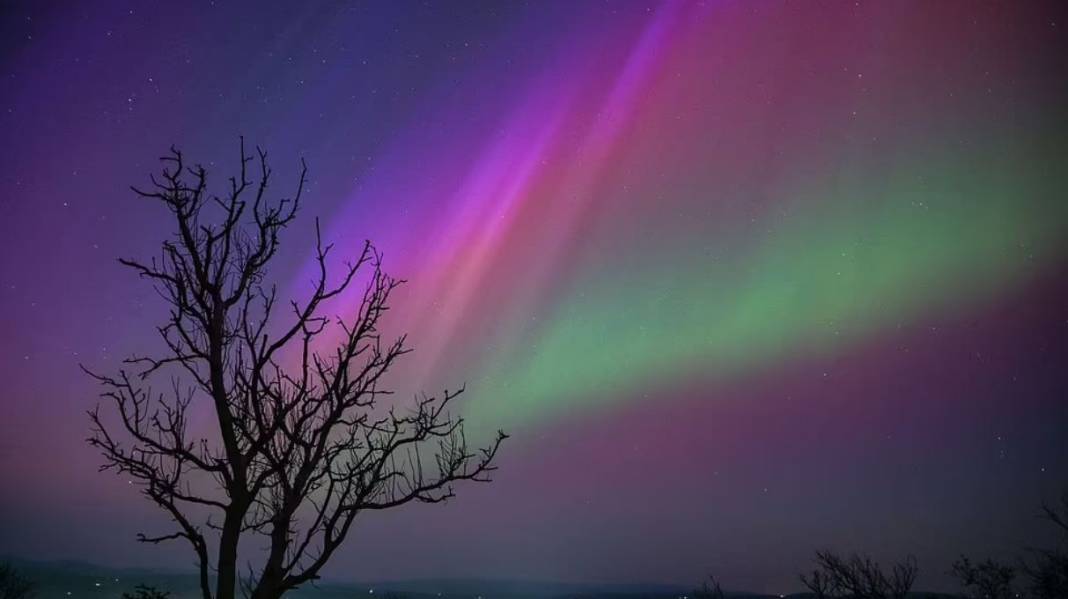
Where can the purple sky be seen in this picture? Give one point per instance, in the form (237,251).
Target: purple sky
(743,280)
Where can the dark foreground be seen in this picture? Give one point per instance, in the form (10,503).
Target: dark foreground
(79,580)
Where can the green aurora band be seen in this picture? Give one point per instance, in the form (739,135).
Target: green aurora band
(945,231)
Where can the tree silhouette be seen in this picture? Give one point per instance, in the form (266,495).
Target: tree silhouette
(1048,570)
(301,443)
(13,585)
(985,580)
(859,577)
(709,589)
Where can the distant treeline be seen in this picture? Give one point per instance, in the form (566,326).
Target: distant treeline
(1037,573)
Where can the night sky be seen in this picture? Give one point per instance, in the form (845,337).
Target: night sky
(742,279)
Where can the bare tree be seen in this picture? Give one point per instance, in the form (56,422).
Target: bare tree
(859,577)
(710,589)
(13,585)
(984,580)
(302,444)
(1048,568)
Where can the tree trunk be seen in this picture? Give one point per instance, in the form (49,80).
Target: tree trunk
(226,583)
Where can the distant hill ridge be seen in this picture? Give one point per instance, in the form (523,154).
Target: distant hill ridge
(73,579)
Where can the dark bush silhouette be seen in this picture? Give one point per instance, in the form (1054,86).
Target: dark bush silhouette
(13,585)
(984,580)
(859,577)
(709,589)
(300,441)
(1048,568)
(143,591)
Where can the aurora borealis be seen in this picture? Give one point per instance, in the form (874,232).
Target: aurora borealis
(742,279)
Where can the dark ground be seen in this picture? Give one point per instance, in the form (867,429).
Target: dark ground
(80,580)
